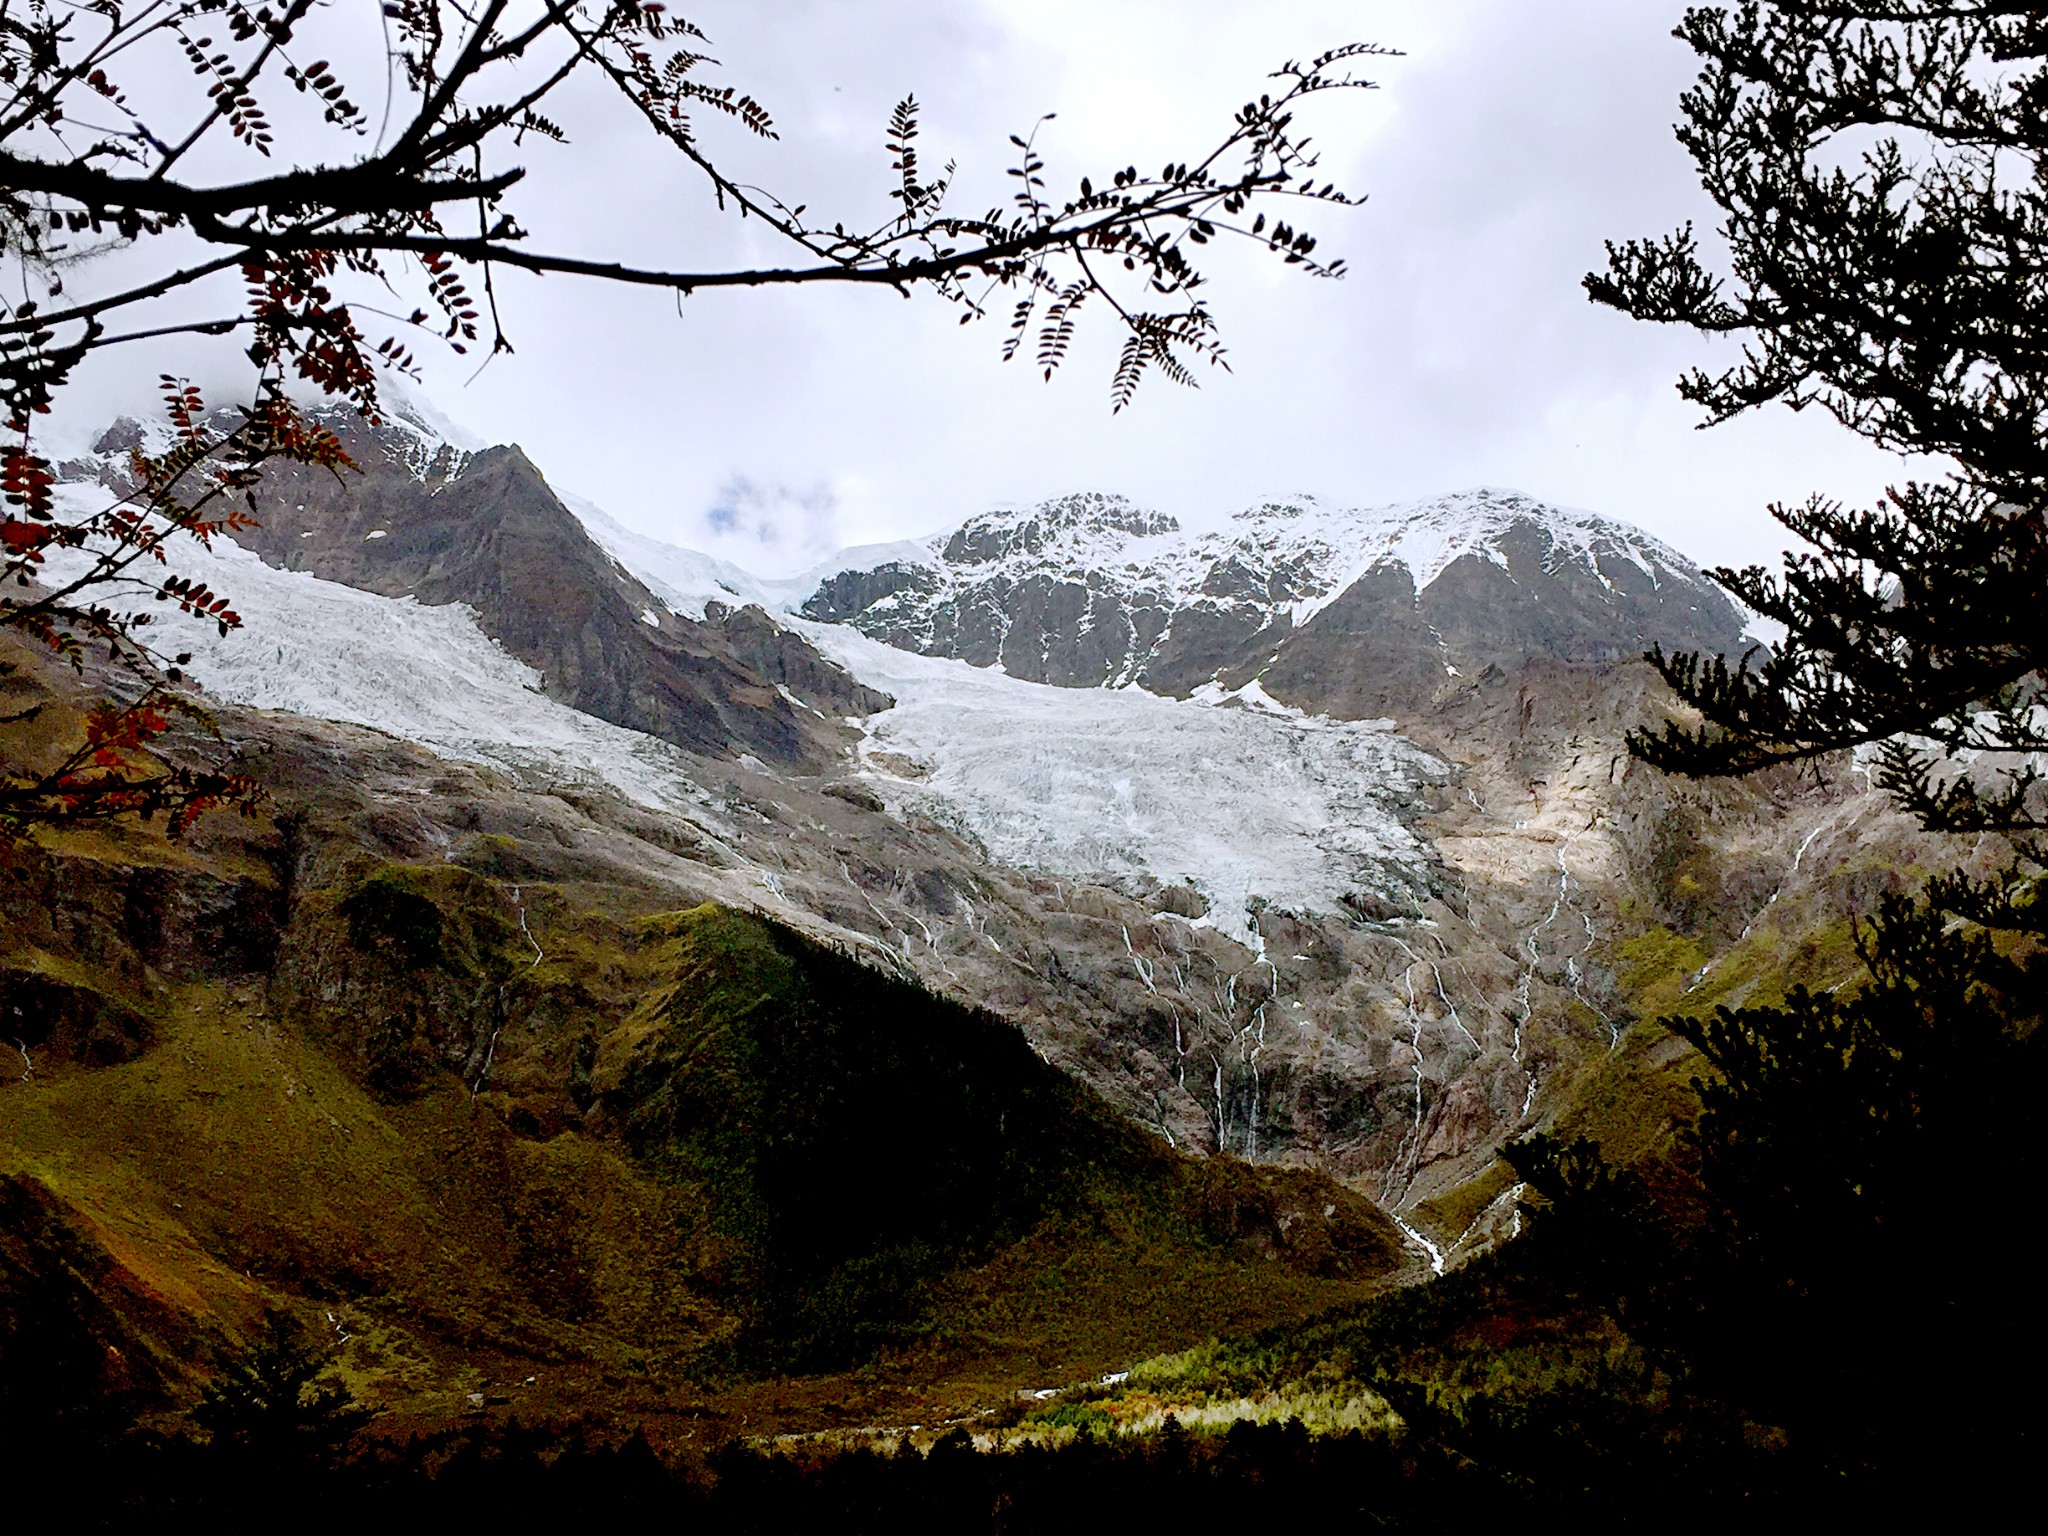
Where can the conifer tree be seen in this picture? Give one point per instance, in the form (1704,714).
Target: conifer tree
(274,1406)
(1882,166)
(1882,169)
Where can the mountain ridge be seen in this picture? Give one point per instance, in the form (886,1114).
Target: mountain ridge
(1346,893)
(1093,590)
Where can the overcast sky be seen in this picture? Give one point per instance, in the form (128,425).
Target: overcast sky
(1497,155)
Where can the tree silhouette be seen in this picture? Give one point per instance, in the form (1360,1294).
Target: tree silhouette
(271,1406)
(1882,166)
(1883,169)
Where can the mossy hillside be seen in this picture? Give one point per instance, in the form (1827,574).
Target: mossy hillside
(415,973)
(393,913)
(402,970)
(1452,1214)
(477,1213)
(838,1113)
(1488,1344)
(860,1139)
(1215,1247)
(237,1166)
(81,1343)
(1636,1100)
(471,1238)
(1661,972)
(252,1156)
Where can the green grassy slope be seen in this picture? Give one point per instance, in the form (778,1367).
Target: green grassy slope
(687,1166)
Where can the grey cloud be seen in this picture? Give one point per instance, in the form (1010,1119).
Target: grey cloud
(769,526)
(1498,156)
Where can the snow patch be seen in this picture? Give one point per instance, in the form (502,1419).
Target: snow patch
(411,411)
(683,579)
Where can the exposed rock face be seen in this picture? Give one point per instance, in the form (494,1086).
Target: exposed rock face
(138,919)
(1352,613)
(70,1022)
(424,520)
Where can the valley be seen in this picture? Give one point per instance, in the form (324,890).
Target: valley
(1303,863)
(1278,980)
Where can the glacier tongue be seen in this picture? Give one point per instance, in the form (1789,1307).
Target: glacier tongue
(1248,803)
(424,674)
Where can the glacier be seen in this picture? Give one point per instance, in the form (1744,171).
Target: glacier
(427,675)
(1253,805)
(1250,803)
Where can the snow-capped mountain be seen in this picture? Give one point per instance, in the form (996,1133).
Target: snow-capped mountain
(425,518)
(1135,788)
(1341,611)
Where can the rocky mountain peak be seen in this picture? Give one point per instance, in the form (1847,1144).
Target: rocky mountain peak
(432,518)
(1351,611)
(1077,526)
